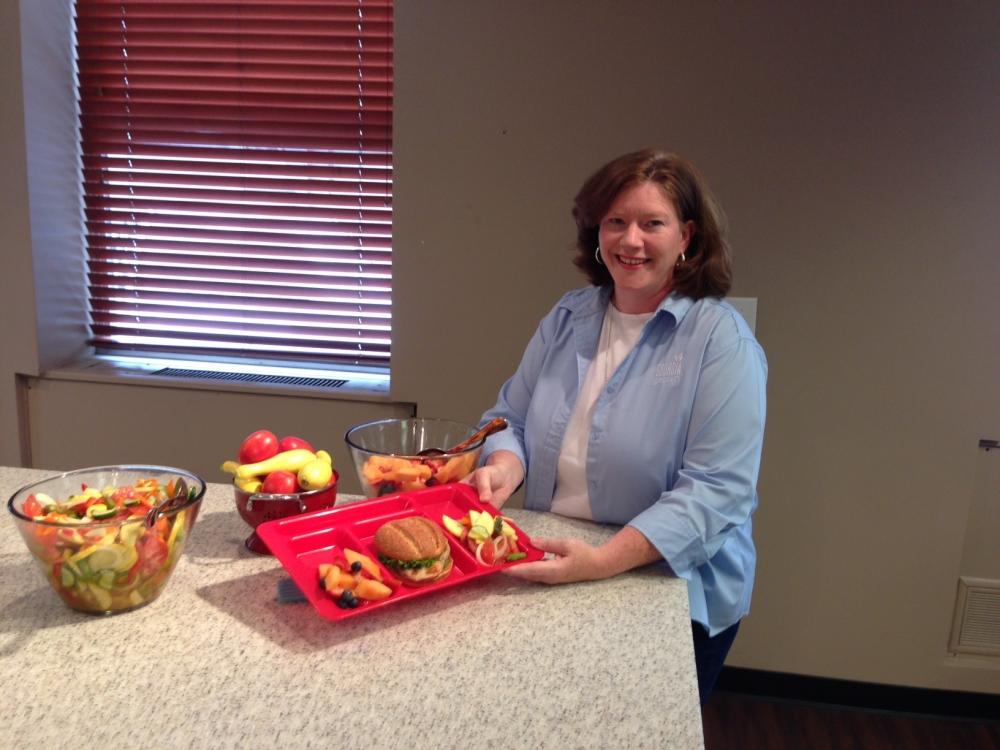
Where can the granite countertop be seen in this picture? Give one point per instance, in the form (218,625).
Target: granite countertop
(217,662)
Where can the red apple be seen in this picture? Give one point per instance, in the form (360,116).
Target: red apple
(280,483)
(258,446)
(291,442)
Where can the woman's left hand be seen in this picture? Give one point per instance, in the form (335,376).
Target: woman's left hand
(573,560)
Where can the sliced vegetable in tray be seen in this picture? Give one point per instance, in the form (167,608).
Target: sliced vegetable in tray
(490,538)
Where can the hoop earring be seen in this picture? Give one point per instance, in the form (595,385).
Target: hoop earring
(597,256)
(680,260)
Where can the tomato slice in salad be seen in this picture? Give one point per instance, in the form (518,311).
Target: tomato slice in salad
(152,553)
(488,552)
(32,507)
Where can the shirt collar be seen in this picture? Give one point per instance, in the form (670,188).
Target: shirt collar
(675,305)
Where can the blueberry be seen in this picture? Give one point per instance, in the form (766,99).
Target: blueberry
(356,566)
(430,482)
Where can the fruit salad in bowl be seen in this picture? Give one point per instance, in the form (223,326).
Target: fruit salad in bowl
(108,538)
(402,455)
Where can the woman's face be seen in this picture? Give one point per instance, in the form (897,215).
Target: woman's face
(641,239)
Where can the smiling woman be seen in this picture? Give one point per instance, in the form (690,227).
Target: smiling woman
(640,402)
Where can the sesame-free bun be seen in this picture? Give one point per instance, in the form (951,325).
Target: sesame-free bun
(406,540)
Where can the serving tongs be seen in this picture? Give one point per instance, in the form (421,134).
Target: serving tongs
(497,424)
(180,496)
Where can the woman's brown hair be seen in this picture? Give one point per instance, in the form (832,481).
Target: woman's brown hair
(707,271)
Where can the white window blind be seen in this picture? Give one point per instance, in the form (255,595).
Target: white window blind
(237,173)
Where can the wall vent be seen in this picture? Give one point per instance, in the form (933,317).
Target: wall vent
(249,377)
(976,627)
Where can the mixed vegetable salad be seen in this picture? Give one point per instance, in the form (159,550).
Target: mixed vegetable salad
(96,547)
(492,541)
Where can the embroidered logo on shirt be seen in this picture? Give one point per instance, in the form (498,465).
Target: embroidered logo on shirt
(670,371)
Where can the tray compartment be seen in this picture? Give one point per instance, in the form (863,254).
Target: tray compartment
(371,509)
(460,554)
(451,499)
(323,536)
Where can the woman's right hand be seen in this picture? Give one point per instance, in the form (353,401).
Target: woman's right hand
(498,478)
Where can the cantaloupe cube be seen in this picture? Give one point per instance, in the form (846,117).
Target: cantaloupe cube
(331,579)
(371,590)
(367,564)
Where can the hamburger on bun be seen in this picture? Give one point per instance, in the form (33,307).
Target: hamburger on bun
(414,549)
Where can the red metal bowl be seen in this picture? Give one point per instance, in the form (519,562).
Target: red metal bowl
(256,508)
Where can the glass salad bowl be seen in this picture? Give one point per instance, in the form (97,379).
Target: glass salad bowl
(107,538)
(386,453)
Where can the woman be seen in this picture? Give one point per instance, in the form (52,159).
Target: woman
(640,401)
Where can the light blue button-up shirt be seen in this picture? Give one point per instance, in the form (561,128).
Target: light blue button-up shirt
(675,442)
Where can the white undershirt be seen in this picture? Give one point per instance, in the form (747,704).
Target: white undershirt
(619,335)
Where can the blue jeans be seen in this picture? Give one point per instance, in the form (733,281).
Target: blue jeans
(710,655)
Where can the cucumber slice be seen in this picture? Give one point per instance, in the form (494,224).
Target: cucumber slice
(106,579)
(45,500)
(131,501)
(98,515)
(113,558)
(66,577)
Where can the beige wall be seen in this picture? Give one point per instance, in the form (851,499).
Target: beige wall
(855,151)
(18,346)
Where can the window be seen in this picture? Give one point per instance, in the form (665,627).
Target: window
(237,177)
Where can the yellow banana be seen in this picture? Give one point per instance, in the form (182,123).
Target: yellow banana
(292,460)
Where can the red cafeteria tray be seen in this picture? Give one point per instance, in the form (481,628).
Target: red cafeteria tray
(301,543)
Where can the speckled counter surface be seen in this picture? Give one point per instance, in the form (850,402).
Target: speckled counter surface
(217,662)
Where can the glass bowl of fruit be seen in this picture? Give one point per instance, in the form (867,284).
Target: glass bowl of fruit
(275,478)
(402,455)
(107,538)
